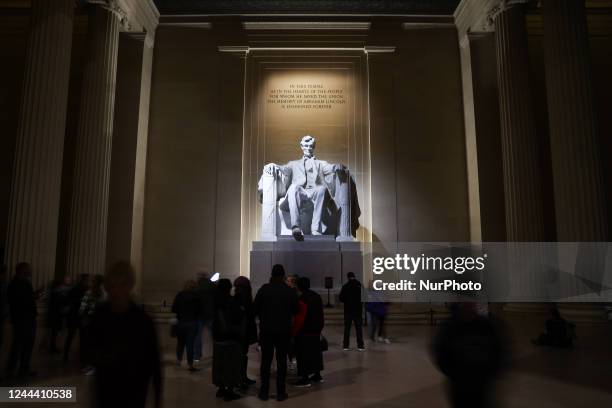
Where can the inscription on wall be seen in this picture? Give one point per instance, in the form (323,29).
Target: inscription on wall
(297,96)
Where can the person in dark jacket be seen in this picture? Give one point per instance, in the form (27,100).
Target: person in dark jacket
(187,306)
(243,294)
(125,352)
(92,299)
(73,319)
(229,332)
(307,327)
(376,311)
(275,305)
(206,291)
(22,311)
(470,352)
(350,295)
(57,309)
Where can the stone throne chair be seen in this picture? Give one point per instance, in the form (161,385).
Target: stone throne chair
(340,216)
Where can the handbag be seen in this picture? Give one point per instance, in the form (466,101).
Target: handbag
(324,344)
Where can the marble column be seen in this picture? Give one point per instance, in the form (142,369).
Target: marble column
(37,167)
(574,139)
(89,211)
(520,144)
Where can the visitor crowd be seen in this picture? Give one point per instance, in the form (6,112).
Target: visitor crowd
(119,344)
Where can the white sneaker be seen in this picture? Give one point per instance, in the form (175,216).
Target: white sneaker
(387,341)
(380,339)
(361,349)
(346,349)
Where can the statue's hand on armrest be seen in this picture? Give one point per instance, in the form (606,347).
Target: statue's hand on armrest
(271,169)
(341,172)
(340,168)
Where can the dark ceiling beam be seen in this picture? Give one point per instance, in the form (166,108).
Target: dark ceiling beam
(300,7)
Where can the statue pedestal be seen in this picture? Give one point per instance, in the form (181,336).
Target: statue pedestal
(317,257)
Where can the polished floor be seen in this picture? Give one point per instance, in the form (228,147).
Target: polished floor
(399,375)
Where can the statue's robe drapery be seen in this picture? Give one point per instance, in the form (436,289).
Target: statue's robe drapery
(308,172)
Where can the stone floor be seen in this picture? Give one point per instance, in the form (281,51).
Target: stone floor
(401,374)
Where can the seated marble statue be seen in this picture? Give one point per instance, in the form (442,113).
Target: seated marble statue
(313,196)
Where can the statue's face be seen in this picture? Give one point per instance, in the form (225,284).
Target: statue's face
(308,146)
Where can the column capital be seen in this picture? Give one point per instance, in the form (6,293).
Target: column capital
(116,8)
(499,8)
(471,15)
(134,15)
(479,15)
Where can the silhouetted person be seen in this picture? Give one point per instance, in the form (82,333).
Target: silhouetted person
(243,294)
(91,300)
(307,327)
(229,332)
(22,309)
(57,309)
(73,318)
(53,318)
(3,302)
(125,348)
(559,333)
(377,314)
(187,306)
(468,349)
(206,291)
(275,305)
(291,281)
(350,295)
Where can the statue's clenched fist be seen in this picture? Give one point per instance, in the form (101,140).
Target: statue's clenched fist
(340,168)
(271,168)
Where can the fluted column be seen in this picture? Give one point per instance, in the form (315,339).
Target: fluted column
(577,175)
(520,151)
(37,168)
(89,211)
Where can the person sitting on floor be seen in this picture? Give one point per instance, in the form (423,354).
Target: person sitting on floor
(559,332)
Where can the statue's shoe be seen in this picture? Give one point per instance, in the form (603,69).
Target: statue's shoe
(297,233)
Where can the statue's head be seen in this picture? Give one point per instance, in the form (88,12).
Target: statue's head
(308,145)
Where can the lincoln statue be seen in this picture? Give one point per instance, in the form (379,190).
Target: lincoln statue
(308,196)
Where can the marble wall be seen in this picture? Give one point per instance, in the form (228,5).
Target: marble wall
(192,211)
(419,184)
(192,202)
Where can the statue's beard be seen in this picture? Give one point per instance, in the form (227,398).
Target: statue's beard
(308,153)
